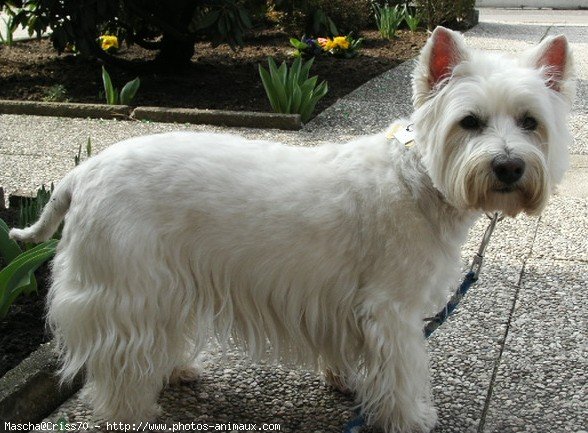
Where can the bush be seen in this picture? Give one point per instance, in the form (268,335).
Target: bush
(348,15)
(170,27)
(453,13)
(320,17)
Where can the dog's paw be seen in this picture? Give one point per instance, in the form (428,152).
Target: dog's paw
(426,417)
(184,374)
(337,381)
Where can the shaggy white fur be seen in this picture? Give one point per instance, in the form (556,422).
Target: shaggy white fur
(328,256)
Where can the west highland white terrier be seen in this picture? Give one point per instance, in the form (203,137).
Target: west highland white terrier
(328,257)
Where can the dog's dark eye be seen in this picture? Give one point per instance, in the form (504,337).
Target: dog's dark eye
(529,123)
(470,122)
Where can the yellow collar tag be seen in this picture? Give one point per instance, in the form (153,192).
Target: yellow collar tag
(402,132)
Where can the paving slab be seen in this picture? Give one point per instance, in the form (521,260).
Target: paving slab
(581,102)
(231,389)
(579,127)
(542,382)
(505,37)
(575,182)
(39,150)
(370,108)
(544,16)
(465,349)
(563,234)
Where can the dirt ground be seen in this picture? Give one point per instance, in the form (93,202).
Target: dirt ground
(22,330)
(218,77)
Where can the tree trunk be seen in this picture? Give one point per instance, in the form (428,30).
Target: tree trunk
(174,52)
(177,44)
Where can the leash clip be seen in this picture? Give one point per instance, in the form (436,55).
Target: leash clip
(479,257)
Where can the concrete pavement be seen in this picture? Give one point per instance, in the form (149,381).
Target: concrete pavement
(514,358)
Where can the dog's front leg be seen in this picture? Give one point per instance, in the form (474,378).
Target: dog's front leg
(396,392)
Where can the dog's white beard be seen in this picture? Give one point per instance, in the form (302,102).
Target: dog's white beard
(475,187)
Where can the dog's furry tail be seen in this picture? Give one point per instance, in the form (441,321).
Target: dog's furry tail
(52,215)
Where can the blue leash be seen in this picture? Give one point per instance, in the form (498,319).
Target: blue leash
(355,425)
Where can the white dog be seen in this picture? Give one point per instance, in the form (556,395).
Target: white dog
(328,256)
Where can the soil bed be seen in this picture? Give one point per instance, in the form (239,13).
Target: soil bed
(23,329)
(217,78)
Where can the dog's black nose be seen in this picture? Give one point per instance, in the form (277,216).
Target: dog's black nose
(508,170)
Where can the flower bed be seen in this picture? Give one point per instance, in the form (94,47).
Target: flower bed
(218,77)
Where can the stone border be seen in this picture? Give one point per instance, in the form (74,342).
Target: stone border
(31,391)
(65,109)
(247,119)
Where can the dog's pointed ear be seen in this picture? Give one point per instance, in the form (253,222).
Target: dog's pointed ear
(444,50)
(554,58)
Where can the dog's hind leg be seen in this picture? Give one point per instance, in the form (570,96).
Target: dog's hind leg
(124,358)
(338,380)
(124,338)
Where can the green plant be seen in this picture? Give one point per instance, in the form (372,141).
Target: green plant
(289,90)
(322,23)
(349,15)
(320,17)
(31,208)
(56,93)
(17,276)
(78,157)
(9,28)
(412,21)
(223,21)
(126,95)
(306,47)
(388,19)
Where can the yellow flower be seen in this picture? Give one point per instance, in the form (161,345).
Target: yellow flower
(329,44)
(341,42)
(109,43)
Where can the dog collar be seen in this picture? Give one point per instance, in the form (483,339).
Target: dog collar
(402,132)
